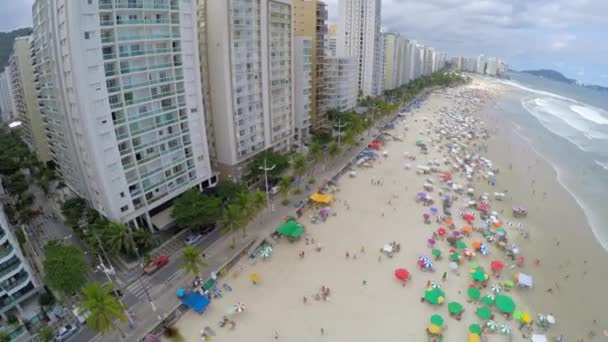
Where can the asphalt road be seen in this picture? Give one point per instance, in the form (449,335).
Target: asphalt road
(134,293)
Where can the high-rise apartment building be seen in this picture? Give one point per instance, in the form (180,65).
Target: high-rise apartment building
(303,75)
(359,36)
(249,50)
(26,102)
(481,64)
(332,41)
(339,83)
(6,96)
(402,60)
(17,282)
(391,60)
(120,91)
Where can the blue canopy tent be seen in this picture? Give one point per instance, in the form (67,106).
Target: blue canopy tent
(196,301)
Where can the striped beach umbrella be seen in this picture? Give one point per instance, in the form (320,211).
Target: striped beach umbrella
(496,288)
(505,329)
(491,325)
(435,285)
(239,307)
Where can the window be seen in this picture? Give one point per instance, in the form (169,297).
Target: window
(87,35)
(122,194)
(124,208)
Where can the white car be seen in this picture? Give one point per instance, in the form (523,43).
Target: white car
(65,332)
(193,239)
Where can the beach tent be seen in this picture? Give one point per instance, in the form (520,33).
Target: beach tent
(208,284)
(321,198)
(196,301)
(291,229)
(524,280)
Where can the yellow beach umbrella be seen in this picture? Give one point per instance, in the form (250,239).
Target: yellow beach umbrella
(434,329)
(526,318)
(474,338)
(255,278)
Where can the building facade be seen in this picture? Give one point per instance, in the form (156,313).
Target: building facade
(250,65)
(6,96)
(26,102)
(391,60)
(120,90)
(303,75)
(340,86)
(17,282)
(359,36)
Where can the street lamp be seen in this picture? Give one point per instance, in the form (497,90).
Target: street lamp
(340,125)
(265,168)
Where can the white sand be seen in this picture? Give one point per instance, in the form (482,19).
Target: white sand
(383,309)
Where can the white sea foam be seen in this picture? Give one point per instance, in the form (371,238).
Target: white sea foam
(590,114)
(603,165)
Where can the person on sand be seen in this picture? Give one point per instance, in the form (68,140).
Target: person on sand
(276,335)
(347,255)
(304,300)
(362,249)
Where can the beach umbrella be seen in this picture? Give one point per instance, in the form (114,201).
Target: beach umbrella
(468,252)
(437,320)
(402,274)
(441,231)
(483,250)
(509,283)
(483,206)
(475,328)
(421,194)
(474,338)
(453,266)
(180,292)
(434,329)
(479,275)
(239,307)
(431,242)
(520,260)
(428,264)
(454,256)
(434,296)
(473,293)
(491,325)
(426,216)
(436,252)
(423,258)
(496,288)
(488,299)
(487,233)
(466,229)
(474,265)
(460,244)
(484,312)
(551,319)
(435,285)
(517,315)
(265,252)
(255,278)
(434,210)
(505,329)
(496,265)
(526,318)
(455,308)
(501,232)
(455,233)
(469,218)
(505,303)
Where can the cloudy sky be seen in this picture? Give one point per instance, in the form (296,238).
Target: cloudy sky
(566,35)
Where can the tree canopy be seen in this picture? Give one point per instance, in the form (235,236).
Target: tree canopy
(102,306)
(195,210)
(73,209)
(192,263)
(65,268)
(256,166)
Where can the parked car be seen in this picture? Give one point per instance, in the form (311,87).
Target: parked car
(65,332)
(192,239)
(274,190)
(116,293)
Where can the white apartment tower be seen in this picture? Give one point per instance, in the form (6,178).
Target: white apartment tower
(302,87)
(120,91)
(359,36)
(6,96)
(250,71)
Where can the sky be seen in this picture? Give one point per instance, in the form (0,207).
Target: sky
(565,35)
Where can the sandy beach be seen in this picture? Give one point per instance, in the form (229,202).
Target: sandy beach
(378,206)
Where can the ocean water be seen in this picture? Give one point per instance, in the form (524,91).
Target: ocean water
(568,126)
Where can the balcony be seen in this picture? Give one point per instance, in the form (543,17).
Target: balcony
(143,21)
(115,105)
(6,252)
(159,81)
(105,40)
(109,56)
(148,98)
(11,267)
(106,22)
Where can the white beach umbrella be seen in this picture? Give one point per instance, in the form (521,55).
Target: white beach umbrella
(496,288)
(435,285)
(453,266)
(239,307)
(491,325)
(551,319)
(505,329)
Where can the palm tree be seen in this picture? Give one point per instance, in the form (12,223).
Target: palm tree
(103,307)
(284,187)
(232,221)
(299,166)
(118,238)
(144,239)
(192,261)
(334,150)
(315,153)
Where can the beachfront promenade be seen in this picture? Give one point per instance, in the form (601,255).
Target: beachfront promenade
(220,252)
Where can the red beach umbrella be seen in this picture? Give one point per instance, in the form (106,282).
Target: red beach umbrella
(441,231)
(520,260)
(402,274)
(469,218)
(497,265)
(483,207)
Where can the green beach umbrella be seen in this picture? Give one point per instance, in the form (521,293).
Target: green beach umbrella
(475,328)
(509,283)
(501,230)
(484,312)
(487,233)
(460,244)
(474,265)
(479,275)
(437,320)
(455,308)
(436,252)
(419,142)
(454,256)
(473,293)
(434,296)
(517,315)
(505,303)
(488,300)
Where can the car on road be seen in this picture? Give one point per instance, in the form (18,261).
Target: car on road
(116,293)
(156,264)
(192,239)
(274,190)
(65,332)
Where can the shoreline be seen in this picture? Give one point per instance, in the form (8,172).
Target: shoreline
(379,214)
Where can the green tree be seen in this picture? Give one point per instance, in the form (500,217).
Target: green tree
(65,268)
(16,184)
(46,333)
(349,137)
(255,169)
(284,186)
(118,238)
(334,150)
(299,167)
(316,152)
(4,337)
(245,201)
(102,306)
(73,210)
(195,210)
(232,221)
(192,263)
(144,239)
(227,189)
